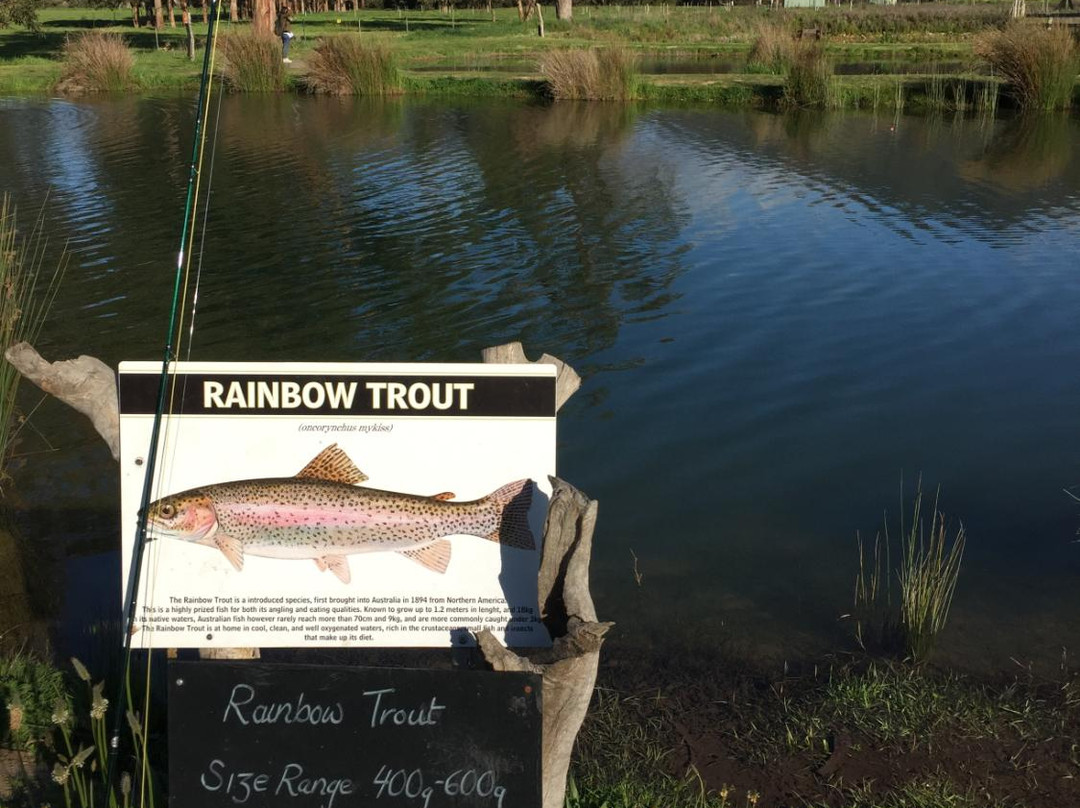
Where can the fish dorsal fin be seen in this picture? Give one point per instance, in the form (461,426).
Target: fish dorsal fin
(434,556)
(233,549)
(334,465)
(337,564)
(445,495)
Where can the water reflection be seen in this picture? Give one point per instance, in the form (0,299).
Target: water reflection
(1025,154)
(775,314)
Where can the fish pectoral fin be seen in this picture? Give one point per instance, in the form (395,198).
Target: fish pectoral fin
(233,550)
(434,556)
(445,495)
(334,465)
(337,564)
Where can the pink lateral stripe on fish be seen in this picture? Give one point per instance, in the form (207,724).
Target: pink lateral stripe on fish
(322,514)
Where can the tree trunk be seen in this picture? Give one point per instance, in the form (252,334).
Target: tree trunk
(135,15)
(262,18)
(172,14)
(566,608)
(1019,9)
(234,11)
(185,16)
(564,9)
(159,16)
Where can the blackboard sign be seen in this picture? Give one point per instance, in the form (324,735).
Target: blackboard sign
(307,736)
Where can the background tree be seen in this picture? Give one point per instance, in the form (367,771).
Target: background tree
(19,12)
(262,17)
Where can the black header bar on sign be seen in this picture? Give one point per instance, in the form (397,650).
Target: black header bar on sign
(376,395)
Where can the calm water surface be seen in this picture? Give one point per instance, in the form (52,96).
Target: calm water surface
(776,317)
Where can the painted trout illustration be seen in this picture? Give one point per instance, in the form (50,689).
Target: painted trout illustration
(324,514)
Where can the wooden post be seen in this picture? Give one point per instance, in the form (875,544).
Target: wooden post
(568,668)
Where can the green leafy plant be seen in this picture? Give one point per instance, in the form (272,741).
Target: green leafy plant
(29,690)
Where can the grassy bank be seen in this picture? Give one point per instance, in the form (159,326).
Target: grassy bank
(477,52)
(854,733)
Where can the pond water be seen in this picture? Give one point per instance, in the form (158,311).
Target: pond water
(775,317)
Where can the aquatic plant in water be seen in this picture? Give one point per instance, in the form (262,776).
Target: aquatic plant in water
(23,306)
(927,572)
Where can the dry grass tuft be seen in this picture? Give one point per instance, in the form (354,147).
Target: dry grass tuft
(608,74)
(344,65)
(96,62)
(1039,65)
(773,49)
(252,64)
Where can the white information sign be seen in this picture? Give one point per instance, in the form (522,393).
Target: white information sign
(338,504)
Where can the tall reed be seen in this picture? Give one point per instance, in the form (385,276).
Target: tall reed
(345,65)
(808,79)
(252,64)
(1038,65)
(595,74)
(772,49)
(927,572)
(96,62)
(27,291)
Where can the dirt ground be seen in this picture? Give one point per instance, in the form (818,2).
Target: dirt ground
(841,732)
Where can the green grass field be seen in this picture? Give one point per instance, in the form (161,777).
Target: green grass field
(479,52)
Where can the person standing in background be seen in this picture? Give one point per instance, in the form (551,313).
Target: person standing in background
(284,30)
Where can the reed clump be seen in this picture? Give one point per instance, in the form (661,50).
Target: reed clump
(1038,65)
(772,50)
(27,291)
(96,62)
(808,77)
(595,74)
(252,64)
(344,65)
(927,571)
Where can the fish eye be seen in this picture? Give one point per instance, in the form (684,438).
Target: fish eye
(168,511)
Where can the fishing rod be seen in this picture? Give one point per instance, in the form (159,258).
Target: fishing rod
(135,567)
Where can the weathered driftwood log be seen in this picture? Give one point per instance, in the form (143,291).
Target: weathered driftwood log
(568,668)
(86,383)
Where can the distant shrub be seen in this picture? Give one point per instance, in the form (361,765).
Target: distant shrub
(96,62)
(1039,65)
(344,65)
(607,74)
(252,64)
(808,79)
(772,49)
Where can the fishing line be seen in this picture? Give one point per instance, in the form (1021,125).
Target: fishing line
(164,387)
(206,218)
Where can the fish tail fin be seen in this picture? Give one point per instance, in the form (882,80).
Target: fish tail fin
(511,504)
